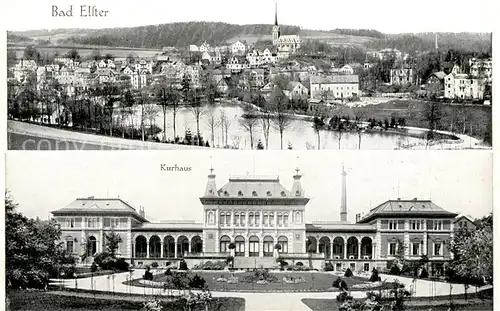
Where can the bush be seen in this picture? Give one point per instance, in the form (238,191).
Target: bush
(328,266)
(168,272)
(148,275)
(93,267)
(106,261)
(154,264)
(424,274)
(183,265)
(122,265)
(229,259)
(299,264)
(343,296)
(374,277)
(340,284)
(197,282)
(395,270)
(348,273)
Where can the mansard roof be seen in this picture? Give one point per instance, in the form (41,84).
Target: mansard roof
(253,187)
(406,208)
(99,206)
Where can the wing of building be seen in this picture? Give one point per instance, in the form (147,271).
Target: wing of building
(256,214)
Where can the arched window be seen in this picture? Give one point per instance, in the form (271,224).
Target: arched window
(257,219)
(242,219)
(253,250)
(285,220)
(298,217)
(283,242)
(268,246)
(224,244)
(239,242)
(297,193)
(236,219)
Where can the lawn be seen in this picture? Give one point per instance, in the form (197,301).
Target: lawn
(309,281)
(440,305)
(50,301)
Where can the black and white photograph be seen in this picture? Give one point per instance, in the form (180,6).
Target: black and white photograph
(264,74)
(249,231)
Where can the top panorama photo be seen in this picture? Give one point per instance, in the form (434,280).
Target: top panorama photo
(249,84)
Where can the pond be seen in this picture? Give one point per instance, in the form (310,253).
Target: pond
(300,134)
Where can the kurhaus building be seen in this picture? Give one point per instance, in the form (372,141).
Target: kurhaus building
(256,214)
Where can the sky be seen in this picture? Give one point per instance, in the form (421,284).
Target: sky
(457,181)
(389,16)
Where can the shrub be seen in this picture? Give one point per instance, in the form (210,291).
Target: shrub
(93,267)
(424,274)
(328,266)
(374,277)
(340,284)
(154,264)
(341,297)
(183,265)
(122,265)
(229,259)
(299,264)
(197,282)
(148,275)
(168,272)
(348,273)
(395,270)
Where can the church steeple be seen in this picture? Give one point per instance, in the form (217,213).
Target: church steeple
(276,27)
(275,13)
(211,189)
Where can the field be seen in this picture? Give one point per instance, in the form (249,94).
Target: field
(85,51)
(55,301)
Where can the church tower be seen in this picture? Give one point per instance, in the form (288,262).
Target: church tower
(276,27)
(297,190)
(211,189)
(343,200)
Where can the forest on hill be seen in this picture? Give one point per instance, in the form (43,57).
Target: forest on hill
(175,34)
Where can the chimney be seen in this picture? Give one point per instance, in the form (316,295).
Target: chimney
(343,202)
(415,199)
(358,217)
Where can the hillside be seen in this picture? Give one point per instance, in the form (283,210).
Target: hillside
(184,34)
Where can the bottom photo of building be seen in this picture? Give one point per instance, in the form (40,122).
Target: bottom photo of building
(332,214)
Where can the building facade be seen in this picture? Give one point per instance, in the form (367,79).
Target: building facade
(256,214)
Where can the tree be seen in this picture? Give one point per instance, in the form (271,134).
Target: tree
(196,109)
(318,125)
(212,124)
(359,114)
(432,114)
(33,251)
(249,124)
(73,54)
(113,241)
(31,53)
(473,252)
(281,119)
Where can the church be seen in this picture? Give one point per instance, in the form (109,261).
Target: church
(285,45)
(256,214)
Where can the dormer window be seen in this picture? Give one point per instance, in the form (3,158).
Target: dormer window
(283,194)
(269,193)
(226,193)
(254,193)
(240,193)
(211,191)
(297,193)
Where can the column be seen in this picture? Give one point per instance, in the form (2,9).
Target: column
(359,250)
(345,250)
(373,251)
(161,249)
(317,246)
(175,249)
(189,247)
(331,249)
(232,218)
(424,251)
(147,249)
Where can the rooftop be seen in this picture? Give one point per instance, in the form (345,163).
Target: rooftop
(335,79)
(98,205)
(400,207)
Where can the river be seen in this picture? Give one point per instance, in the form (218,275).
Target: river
(299,134)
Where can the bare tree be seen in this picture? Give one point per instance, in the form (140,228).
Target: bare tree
(265,122)
(281,119)
(318,125)
(212,123)
(249,124)
(359,114)
(151,112)
(222,122)
(197,110)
